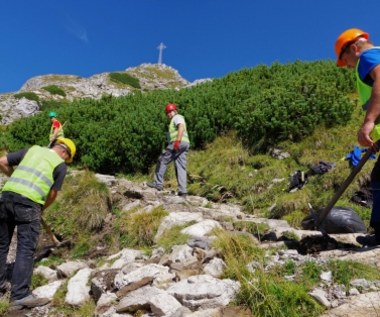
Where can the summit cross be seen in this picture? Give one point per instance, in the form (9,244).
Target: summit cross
(160,47)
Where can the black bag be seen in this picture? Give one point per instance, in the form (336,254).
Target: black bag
(297,180)
(339,220)
(321,168)
(363,197)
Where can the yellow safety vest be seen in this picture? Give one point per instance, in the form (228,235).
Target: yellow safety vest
(364,92)
(173,130)
(33,177)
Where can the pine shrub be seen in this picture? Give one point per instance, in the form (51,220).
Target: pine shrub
(264,105)
(126,79)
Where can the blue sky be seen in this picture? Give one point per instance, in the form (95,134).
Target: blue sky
(203,38)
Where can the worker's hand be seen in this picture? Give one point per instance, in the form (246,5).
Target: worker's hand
(363,135)
(176,145)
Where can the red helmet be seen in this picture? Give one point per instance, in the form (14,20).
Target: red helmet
(170,107)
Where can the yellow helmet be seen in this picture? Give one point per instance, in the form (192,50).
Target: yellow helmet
(347,37)
(70,147)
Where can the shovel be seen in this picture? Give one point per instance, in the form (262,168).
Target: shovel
(319,218)
(52,236)
(47,250)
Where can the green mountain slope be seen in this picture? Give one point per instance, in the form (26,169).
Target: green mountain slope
(306,109)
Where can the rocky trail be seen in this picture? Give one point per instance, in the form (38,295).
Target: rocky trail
(187,281)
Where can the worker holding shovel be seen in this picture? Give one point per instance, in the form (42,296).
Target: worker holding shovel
(32,187)
(354,49)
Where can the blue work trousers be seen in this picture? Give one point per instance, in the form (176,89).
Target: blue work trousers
(27,219)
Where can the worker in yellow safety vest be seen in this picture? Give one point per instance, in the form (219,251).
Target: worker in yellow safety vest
(176,150)
(32,186)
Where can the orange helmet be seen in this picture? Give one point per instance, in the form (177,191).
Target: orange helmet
(170,107)
(347,37)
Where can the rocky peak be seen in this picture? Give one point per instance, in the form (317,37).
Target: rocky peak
(148,76)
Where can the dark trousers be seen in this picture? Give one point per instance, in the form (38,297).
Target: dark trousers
(27,219)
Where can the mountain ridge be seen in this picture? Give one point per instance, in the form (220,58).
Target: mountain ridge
(26,101)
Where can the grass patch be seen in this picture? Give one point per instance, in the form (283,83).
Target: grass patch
(265,293)
(51,261)
(55,90)
(138,228)
(38,280)
(272,296)
(295,218)
(150,73)
(310,272)
(345,271)
(237,250)
(126,79)
(257,229)
(59,296)
(79,212)
(4,305)
(85,201)
(28,95)
(173,237)
(226,172)
(81,248)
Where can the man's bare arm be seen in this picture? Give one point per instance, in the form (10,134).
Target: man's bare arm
(50,198)
(373,111)
(181,129)
(5,167)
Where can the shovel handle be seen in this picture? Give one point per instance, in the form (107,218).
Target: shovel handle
(50,232)
(373,149)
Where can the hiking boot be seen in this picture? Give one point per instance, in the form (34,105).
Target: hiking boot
(154,185)
(2,293)
(183,195)
(368,240)
(29,301)
(5,289)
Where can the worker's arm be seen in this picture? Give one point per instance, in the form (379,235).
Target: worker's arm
(373,111)
(50,198)
(181,129)
(55,134)
(5,167)
(57,126)
(177,142)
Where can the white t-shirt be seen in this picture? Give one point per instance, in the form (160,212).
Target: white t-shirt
(178,119)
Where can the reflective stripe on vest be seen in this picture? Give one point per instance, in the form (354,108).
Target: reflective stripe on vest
(173,130)
(33,177)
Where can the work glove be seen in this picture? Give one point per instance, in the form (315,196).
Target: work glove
(176,145)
